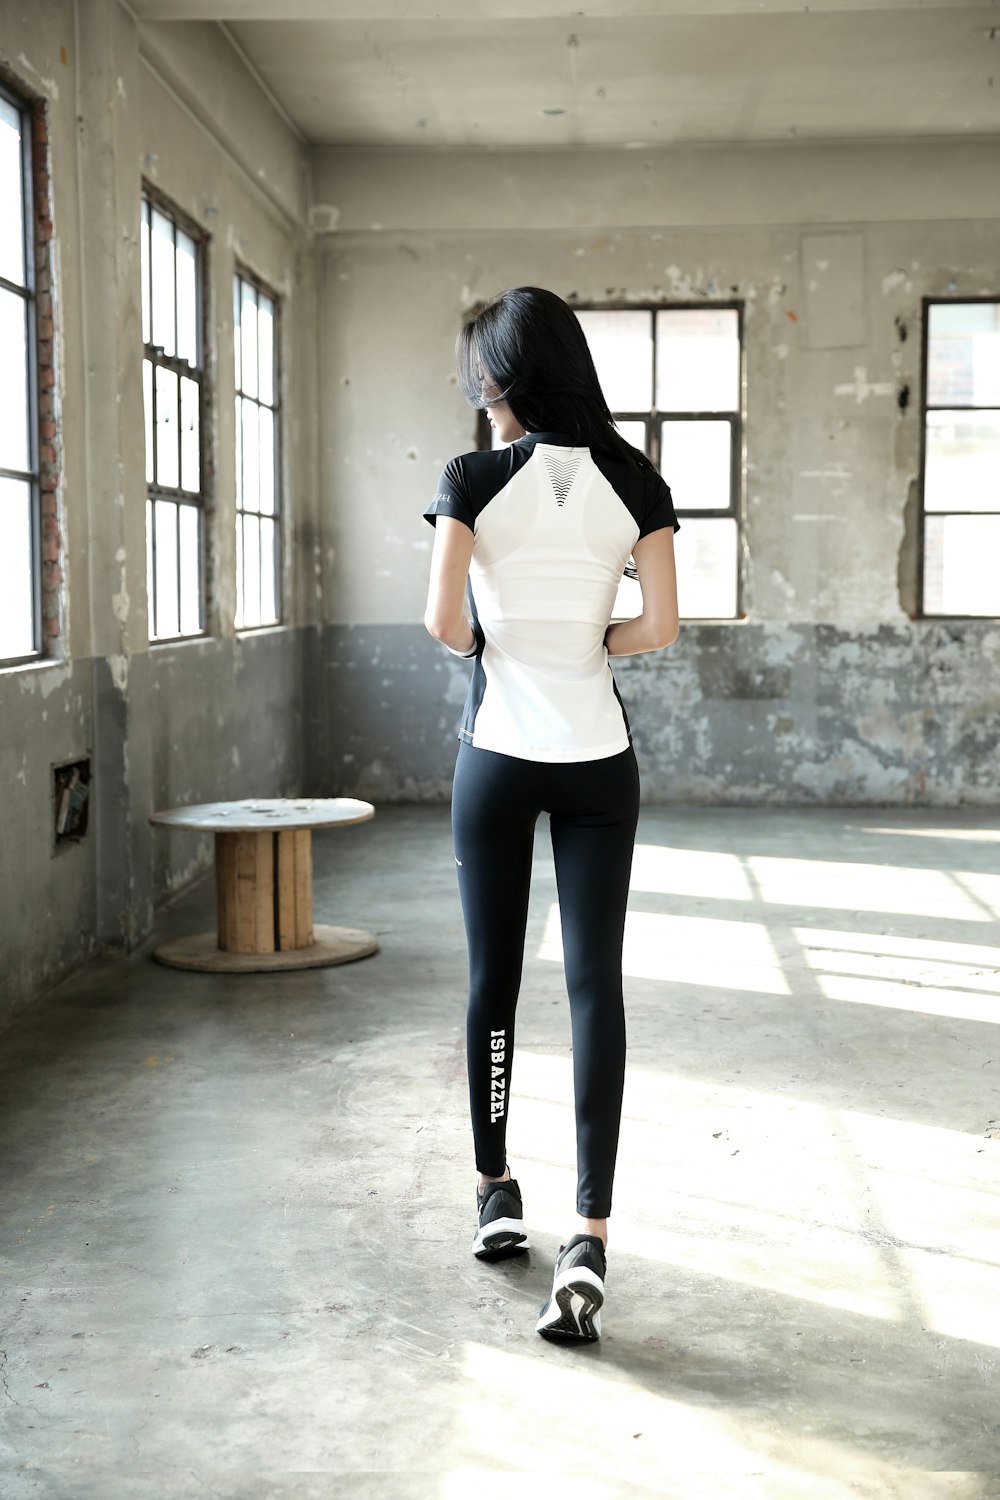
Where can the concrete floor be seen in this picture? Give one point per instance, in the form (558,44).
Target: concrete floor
(237,1211)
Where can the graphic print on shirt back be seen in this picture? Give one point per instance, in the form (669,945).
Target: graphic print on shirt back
(562,472)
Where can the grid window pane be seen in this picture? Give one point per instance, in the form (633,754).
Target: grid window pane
(150,565)
(144,271)
(187,298)
(688,361)
(265,348)
(190,570)
(240,601)
(251,456)
(237,339)
(266,463)
(238,425)
(165,542)
(268,567)
(167,450)
(11,194)
(697,359)
(962,463)
(961,572)
(172,270)
(17,625)
(696,460)
(963,354)
(13,381)
(961,478)
(248,338)
(190,435)
(19,561)
(164,306)
(634,433)
(707,567)
(622,347)
(257,486)
(147,411)
(251,570)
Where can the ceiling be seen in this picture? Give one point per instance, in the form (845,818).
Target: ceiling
(615,73)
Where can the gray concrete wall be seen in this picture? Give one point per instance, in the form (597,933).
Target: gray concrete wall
(829,689)
(171,723)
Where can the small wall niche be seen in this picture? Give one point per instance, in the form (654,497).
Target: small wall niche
(71,801)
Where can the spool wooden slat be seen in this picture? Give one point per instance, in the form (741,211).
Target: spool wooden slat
(295,899)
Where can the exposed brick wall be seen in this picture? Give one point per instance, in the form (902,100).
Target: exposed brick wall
(49,444)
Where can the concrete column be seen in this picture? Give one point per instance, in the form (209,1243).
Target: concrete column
(110,192)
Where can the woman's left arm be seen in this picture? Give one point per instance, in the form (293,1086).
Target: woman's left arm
(445,616)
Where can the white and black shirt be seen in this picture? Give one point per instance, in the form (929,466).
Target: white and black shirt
(554,526)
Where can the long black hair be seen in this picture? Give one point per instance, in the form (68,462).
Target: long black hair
(529,343)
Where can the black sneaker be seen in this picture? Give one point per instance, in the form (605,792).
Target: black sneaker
(573,1312)
(501,1221)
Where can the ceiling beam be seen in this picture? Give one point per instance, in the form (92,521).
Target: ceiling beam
(515,10)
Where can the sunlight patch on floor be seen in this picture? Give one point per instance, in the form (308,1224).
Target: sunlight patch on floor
(629,1440)
(865,888)
(689,950)
(922,999)
(876,1217)
(963,835)
(930,951)
(913,974)
(689,872)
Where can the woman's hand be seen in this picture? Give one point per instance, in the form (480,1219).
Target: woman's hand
(657,626)
(445,616)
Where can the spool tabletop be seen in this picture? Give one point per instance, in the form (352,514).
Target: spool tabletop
(256,814)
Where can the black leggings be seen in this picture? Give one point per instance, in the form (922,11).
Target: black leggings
(593,808)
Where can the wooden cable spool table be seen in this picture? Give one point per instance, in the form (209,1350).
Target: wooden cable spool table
(263,886)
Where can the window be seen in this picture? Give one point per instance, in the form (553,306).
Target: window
(258,550)
(961,461)
(671,376)
(172,375)
(19,519)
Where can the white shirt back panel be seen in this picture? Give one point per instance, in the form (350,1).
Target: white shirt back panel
(546,564)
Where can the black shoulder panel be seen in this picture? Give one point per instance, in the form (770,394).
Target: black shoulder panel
(487,472)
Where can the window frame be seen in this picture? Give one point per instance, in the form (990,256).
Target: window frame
(155,198)
(926,303)
(28,292)
(653,418)
(242,272)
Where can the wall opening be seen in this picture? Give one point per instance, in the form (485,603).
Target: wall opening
(71,801)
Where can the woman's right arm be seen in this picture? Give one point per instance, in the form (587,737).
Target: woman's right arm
(444,616)
(657,626)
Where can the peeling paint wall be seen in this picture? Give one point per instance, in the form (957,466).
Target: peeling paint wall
(224,723)
(772,713)
(828,690)
(164,724)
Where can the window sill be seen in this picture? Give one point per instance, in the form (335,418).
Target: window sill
(179,640)
(33,664)
(249,632)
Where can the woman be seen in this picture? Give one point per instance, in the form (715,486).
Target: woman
(536,537)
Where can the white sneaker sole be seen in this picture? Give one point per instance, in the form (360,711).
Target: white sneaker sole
(502,1236)
(573,1311)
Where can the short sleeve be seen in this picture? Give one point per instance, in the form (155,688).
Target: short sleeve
(452,498)
(658,510)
